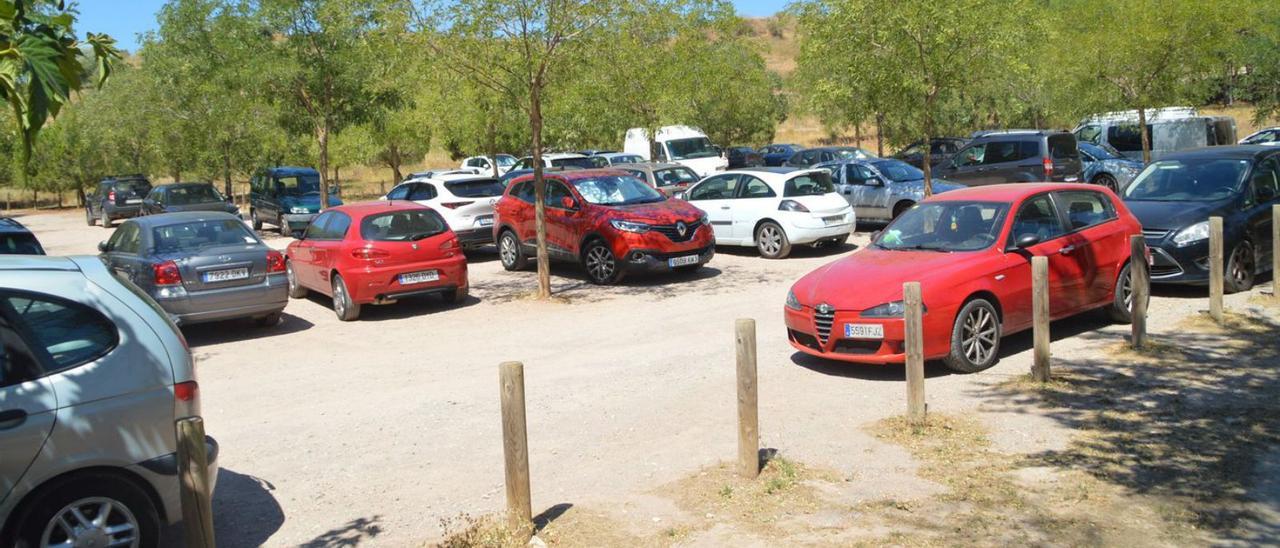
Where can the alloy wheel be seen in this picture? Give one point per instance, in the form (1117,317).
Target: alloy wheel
(507,250)
(1242,265)
(339,298)
(93,521)
(979,339)
(291,277)
(770,240)
(1126,290)
(600,263)
(1108,181)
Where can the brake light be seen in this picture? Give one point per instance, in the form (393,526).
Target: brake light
(186,399)
(792,205)
(369,253)
(275,261)
(111,195)
(1048,168)
(167,273)
(449,244)
(455,205)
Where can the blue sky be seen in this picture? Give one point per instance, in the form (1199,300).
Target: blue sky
(125,19)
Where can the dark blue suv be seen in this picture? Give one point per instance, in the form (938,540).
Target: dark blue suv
(287,197)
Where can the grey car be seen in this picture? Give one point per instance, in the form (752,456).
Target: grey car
(177,197)
(669,179)
(1014,156)
(93,378)
(200,266)
(881,189)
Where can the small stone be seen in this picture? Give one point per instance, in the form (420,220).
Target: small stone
(535,541)
(657,519)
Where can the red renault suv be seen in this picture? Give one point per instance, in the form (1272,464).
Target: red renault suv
(607,220)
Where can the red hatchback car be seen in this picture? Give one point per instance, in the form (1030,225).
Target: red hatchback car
(376,253)
(607,220)
(971,251)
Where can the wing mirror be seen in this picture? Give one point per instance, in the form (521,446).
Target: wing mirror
(104,246)
(568,203)
(680,196)
(875,181)
(1027,240)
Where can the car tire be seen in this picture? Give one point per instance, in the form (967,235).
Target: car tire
(270,320)
(510,252)
(128,505)
(1120,310)
(457,296)
(296,290)
(901,208)
(257,223)
(1106,180)
(282,226)
(772,241)
(1241,266)
(88,217)
(104,218)
(346,309)
(601,266)
(975,337)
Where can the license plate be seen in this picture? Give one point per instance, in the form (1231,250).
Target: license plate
(133,201)
(419,277)
(484,221)
(863,331)
(226,275)
(1070,179)
(682,261)
(834,220)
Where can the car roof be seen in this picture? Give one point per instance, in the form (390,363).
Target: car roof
(560,155)
(378,206)
(576,174)
(175,185)
(292,170)
(165,219)
(1017,132)
(38,262)
(768,170)
(446,177)
(1241,152)
(8,224)
(1008,192)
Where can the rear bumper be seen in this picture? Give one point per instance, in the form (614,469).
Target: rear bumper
(372,285)
(191,307)
(296,221)
(122,211)
(162,473)
(477,236)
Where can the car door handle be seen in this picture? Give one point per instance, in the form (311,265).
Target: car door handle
(1067,250)
(725,207)
(12,418)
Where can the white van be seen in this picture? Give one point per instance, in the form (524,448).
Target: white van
(1168,130)
(682,145)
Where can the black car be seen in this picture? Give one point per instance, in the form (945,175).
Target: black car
(777,154)
(1014,156)
(810,157)
(940,148)
(116,198)
(744,157)
(510,175)
(176,197)
(15,239)
(1175,196)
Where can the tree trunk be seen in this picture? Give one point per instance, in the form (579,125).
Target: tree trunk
(322,139)
(540,190)
(393,157)
(880,134)
(177,175)
(926,165)
(226,173)
(80,200)
(857,134)
(493,149)
(1142,130)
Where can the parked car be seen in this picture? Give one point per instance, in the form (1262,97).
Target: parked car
(178,197)
(774,209)
(15,239)
(116,198)
(617,158)
(1175,196)
(377,253)
(512,175)
(1105,166)
(777,154)
(810,157)
(669,179)
(465,202)
(881,189)
(1014,156)
(1268,136)
(563,159)
(94,378)
(287,197)
(1168,130)
(200,266)
(971,251)
(606,220)
(483,165)
(740,157)
(684,145)
(940,148)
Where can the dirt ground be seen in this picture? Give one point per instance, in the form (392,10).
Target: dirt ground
(373,432)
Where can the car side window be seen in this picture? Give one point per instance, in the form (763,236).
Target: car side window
(859,175)
(126,239)
(67,333)
(556,191)
(17,365)
(1037,217)
(399,193)
(1265,181)
(1089,134)
(422,192)
(1086,208)
(316,230)
(336,229)
(972,156)
(1000,152)
(721,187)
(524,192)
(755,188)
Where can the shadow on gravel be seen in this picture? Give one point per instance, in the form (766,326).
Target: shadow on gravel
(866,372)
(245,512)
(399,310)
(242,330)
(568,281)
(352,533)
(541,521)
(797,251)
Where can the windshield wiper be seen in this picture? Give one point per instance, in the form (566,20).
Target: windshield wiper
(423,235)
(922,247)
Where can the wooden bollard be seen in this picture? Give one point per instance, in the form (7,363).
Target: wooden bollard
(1040,318)
(1215,268)
(193,483)
(748,410)
(1139,289)
(913,324)
(1275,251)
(515,446)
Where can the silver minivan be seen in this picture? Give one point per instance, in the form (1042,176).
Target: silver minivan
(93,376)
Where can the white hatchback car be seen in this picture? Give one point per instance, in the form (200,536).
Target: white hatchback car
(465,200)
(774,209)
(483,165)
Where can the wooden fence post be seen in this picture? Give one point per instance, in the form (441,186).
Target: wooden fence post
(1040,318)
(1139,289)
(515,447)
(1275,251)
(748,410)
(1215,268)
(914,325)
(193,483)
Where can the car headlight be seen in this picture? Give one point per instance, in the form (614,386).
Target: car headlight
(298,210)
(894,309)
(792,302)
(628,226)
(1192,234)
(704,219)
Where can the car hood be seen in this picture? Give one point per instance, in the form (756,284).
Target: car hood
(872,276)
(939,185)
(310,200)
(1174,215)
(665,212)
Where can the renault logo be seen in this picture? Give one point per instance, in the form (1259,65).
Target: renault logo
(681,228)
(825,308)
(415,246)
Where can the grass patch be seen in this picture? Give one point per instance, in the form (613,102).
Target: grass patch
(490,531)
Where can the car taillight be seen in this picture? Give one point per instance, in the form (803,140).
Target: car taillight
(186,399)
(275,261)
(451,243)
(455,205)
(167,273)
(792,205)
(369,253)
(1048,168)
(111,195)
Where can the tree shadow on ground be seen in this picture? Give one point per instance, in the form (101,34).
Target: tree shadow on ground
(804,251)
(568,281)
(541,521)
(349,534)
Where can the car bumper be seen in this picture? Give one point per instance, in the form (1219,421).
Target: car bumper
(123,211)
(191,307)
(297,221)
(811,228)
(804,335)
(381,285)
(649,260)
(162,473)
(476,236)
(1180,265)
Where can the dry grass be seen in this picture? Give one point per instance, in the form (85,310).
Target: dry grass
(465,531)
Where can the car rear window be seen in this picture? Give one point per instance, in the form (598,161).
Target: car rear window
(402,226)
(198,235)
(584,163)
(137,187)
(19,244)
(187,195)
(809,184)
(675,176)
(1063,147)
(484,188)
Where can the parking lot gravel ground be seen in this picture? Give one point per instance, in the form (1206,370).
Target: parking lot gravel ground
(374,431)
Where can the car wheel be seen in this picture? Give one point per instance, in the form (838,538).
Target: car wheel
(1106,180)
(296,290)
(105,219)
(457,296)
(1240,268)
(270,320)
(772,242)
(282,226)
(1121,309)
(901,208)
(88,216)
(94,510)
(343,306)
(510,252)
(600,264)
(257,223)
(975,338)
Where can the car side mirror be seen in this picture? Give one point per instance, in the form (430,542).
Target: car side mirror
(680,196)
(299,234)
(1027,240)
(875,181)
(568,203)
(104,246)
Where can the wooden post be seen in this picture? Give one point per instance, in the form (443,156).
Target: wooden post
(913,318)
(1040,318)
(1215,268)
(748,410)
(1275,251)
(1139,289)
(193,483)
(515,446)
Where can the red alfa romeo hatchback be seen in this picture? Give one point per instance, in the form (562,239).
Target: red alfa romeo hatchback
(376,253)
(606,220)
(971,251)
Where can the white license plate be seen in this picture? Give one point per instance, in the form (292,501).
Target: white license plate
(226,275)
(682,261)
(419,277)
(133,201)
(863,331)
(485,221)
(835,220)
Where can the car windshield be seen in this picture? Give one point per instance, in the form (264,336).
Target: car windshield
(898,171)
(809,184)
(945,226)
(297,185)
(506,160)
(17,243)
(693,147)
(137,187)
(188,195)
(196,235)
(850,153)
(626,159)
(482,188)
(406,225)
(1101,151)
(675,176)
(616,190)
(1190,180)
(584,163)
